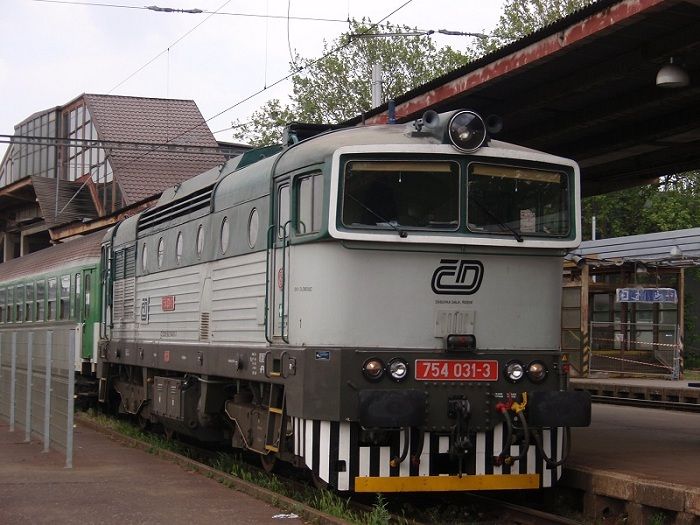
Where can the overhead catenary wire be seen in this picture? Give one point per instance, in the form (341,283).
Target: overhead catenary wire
(189,11)
(167,50)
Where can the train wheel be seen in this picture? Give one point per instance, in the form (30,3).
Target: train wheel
(268,462)
(143,422)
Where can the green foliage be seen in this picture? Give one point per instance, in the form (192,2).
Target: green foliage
(522,17)
(671,204)
(337,87)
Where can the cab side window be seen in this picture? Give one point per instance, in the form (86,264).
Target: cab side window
(309,208)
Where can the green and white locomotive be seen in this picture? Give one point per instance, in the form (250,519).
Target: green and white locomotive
(380,305)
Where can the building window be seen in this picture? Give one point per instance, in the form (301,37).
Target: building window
(2,305)
(161,252)
(224,235)
(178,248)
(8,310)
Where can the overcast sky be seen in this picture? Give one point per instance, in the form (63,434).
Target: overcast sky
(51,53)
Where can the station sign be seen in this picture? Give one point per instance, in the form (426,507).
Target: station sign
(647,295)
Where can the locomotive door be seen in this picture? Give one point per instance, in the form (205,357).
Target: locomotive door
(279,245)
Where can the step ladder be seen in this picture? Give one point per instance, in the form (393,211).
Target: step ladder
(275,418)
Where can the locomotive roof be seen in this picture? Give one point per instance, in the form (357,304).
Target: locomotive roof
(70,253)
(320,147)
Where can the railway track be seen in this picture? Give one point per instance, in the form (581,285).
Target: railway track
(429,508)
(646,403)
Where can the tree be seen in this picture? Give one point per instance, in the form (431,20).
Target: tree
(522,17)
(337,86)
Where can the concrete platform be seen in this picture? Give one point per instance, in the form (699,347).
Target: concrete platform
(647,389)
(112,483)
(638,461)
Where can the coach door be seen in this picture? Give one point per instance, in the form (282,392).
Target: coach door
(88,314)
(278,314)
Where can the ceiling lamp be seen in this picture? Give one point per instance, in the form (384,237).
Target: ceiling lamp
(672,76)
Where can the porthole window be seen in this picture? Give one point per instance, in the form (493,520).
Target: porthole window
(253,227)
(161,251)
(144,256)
(224,234)
(200,240)
(178,247)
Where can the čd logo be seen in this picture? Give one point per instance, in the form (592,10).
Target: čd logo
(457,277)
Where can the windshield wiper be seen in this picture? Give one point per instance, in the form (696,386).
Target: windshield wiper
(498,221)
(402,233)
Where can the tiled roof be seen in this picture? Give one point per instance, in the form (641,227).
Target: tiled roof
(135,119)
(73,251)
(74,200)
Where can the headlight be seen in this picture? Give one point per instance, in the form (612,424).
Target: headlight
(536,371)
(515,371)
(398,369)
(467,131)
(373,369)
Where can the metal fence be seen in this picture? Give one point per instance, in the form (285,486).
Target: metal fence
(649,349)
(37,384)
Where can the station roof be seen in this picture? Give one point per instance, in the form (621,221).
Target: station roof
(678,248)
(584,87)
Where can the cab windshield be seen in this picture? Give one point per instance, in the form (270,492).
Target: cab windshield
(517,201)
(401,194)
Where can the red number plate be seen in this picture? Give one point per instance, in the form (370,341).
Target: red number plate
(456,370)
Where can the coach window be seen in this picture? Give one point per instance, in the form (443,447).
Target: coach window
(8,310)
(224,235)
(283,211)
(75,308)
(65,297)
(88,293)
(19,306)
(40,296)
(144,256)
(2,305)
(178,248)
(309,204)
(200,240)
(161,251)
(28,302)
(51,302)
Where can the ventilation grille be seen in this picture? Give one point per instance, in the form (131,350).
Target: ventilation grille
(198,200)
(124,297)
(204,326)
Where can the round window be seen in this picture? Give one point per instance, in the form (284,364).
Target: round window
(178,247)
(200,240)
(253,227)
(224,235)
(144,256)
(161,251)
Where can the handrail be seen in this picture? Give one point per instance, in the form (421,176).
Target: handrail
(269,247)
(285,242)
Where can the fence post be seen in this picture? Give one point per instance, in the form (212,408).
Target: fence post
(47,391)
(28,405)
(13,380)
(71,402)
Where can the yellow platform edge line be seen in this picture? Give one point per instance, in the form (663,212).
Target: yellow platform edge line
(447,483)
